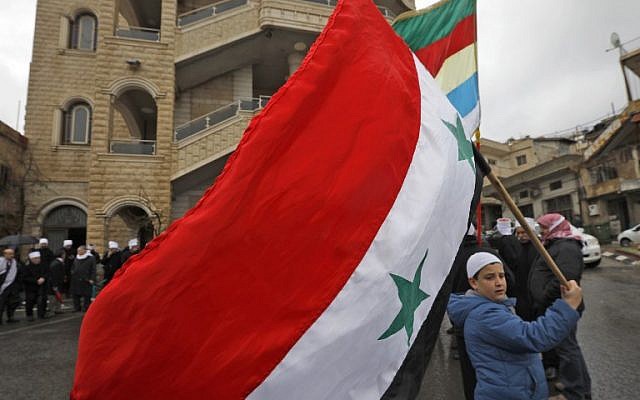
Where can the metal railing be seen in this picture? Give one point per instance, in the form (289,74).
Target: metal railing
(212,10)
(199,14)
(137,32)
(132,146)
(218,116)
(384,10)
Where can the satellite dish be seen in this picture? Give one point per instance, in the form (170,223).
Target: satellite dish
(615,40)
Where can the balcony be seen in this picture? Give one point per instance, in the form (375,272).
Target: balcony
(138,33)
(219,116)
(212,10)
(132,146)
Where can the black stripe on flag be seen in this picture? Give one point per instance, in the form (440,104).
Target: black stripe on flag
(406,383)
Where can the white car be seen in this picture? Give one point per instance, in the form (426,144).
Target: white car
(629,236)
(591,253)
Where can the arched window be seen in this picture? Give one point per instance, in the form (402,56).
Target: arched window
(77,124)
(84,32)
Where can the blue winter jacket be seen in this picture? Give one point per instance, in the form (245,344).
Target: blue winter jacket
(504,349)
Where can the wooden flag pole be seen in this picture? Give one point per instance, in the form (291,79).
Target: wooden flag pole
(484,166)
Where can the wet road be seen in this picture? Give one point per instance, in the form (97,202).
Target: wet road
(608,334)
(37,359)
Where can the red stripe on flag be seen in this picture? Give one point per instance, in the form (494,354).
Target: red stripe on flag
(434,55)
(216,302)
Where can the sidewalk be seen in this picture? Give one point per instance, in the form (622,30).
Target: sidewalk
(628,255)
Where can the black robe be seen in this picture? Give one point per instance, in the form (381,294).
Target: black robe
(82,272)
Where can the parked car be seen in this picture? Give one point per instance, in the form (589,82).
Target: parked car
(591,253)
(629,236)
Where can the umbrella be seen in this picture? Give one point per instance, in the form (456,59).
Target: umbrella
(17,240)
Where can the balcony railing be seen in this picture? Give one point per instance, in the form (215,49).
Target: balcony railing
(218,116)
(199,14)
(384,10)
(208,11)
(136,32)
(133,146)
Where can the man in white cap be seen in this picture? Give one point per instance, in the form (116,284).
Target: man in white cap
(69,256)
(46,255)
(112,261)
(35,280)
(504,349)
(133,248)
(528,254)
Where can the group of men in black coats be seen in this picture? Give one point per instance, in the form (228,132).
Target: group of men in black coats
(535,288)
(47,277)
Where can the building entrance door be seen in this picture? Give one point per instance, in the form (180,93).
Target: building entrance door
(65,222)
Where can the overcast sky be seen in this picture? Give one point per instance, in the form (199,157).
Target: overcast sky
(542,63)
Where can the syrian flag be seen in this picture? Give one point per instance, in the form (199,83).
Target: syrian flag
(310,269)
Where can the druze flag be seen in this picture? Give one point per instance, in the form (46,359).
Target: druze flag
(309,267)
(443,37)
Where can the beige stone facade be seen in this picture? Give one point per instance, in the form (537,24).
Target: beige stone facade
(134,106)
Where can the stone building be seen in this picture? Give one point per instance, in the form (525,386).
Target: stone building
(134,106)
(539,173)
(13,166)
(611,167)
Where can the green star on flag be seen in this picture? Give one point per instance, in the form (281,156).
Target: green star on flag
(465,147)
(410,296)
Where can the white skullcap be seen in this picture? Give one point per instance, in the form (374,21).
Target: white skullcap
(113,245)
(504,226)
(133,242)
(480,260)
(471,231)
(34,254)
(90,247)
(532,224)
(44,241)
(67,242)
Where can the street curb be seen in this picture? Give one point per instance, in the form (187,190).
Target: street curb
(622,256)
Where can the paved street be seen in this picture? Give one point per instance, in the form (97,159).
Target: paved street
(38,358)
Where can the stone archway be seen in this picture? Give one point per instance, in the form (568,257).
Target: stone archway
(128,222)
(65,222)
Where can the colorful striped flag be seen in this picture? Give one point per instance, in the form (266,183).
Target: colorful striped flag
(311,269)
(443,36)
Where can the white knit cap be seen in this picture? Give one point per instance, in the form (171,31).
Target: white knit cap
(67,242)
(504,226)
(133,242)
(480,260)
(44,241)
(34,254)
(113,245)
(530,221)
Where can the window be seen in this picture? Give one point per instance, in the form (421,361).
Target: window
(492,161)
(524,194)
(604,172)
(561,205)
(555,185)
(77,124)
(5,173)
(83,32)
(521,160)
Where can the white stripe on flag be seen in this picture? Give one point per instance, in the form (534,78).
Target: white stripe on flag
(457,69)
(340,356)
(471,121)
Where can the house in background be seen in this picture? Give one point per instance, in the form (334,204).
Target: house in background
(13,164)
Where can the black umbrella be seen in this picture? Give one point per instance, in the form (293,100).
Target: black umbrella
(17,240)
